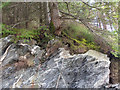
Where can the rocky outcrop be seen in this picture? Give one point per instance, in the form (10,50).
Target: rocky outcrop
(19,51)
(22,68)
(78,71)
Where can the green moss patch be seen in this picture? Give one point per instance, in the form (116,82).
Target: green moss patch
(79,38)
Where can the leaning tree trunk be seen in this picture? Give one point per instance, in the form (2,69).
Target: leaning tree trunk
(55,17)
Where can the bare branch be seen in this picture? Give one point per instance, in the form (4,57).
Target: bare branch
(90,5)
(67,6)
(20,23)
(82,20)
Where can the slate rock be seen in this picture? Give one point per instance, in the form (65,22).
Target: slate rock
(63,70)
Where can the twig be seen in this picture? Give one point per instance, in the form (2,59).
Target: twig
(90,5)
(5,54)
(67,6)
(64,80)
(61,76)
(17,81)
(20,23)
(57,81)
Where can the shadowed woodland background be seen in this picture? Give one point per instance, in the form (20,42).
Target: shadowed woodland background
(98,17)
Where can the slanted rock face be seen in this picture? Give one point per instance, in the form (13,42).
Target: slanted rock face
(78,71)
(63,71)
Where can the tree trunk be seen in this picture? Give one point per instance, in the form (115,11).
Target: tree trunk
(27,14)
(46,21)
(104,22)
(41,19)
(98,14)
(55,17)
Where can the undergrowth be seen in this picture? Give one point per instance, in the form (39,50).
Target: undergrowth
(42,35)
(75,34)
